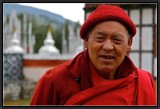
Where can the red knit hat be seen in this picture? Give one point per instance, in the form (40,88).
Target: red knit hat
(104,13)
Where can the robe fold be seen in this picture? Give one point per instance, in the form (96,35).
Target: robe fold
(72,83)
(110,92)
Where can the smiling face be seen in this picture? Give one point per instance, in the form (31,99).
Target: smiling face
(107,43)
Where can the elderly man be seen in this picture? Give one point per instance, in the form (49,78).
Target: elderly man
(102,74)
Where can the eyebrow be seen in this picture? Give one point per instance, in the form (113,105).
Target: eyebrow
(99,32)
(103,33)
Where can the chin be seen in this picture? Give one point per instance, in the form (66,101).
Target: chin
(105,70)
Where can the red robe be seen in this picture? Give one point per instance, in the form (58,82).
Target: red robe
(72,83)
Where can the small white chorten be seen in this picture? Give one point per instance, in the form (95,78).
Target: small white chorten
(48,48)
(15,45)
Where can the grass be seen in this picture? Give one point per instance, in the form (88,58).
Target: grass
(23,102)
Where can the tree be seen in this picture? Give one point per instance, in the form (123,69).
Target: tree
(57,36)
(67,34)
(76,26)
(40,35)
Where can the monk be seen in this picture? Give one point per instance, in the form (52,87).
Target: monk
(102,74)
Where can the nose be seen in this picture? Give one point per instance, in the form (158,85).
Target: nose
(108,45)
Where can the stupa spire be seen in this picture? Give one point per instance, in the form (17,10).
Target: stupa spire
(15,44)
(48,48)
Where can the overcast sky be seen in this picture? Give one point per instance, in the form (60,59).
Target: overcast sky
(72,11)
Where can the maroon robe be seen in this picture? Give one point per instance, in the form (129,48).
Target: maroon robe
(72,84)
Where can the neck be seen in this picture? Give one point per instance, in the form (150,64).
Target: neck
(107,75)
(111,76)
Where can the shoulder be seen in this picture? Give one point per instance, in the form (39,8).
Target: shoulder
(143,73)
(145,77)
(55,77)
(56,72)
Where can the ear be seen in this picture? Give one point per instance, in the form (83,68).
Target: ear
(130,41)
(86,42)
(129,44)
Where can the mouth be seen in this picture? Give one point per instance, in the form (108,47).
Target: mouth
(107,56)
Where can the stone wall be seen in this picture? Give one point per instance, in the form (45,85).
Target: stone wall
(15,90)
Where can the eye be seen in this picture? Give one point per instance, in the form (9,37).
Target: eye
(99,37)
(117,39)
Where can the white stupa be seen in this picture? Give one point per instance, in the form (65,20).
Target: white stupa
(48,48)
(15,47)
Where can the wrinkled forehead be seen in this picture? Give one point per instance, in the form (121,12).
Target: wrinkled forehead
(109,25)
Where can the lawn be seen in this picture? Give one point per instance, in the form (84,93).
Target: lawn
(24,102)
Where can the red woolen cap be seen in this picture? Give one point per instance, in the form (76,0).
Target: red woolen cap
(106,13)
